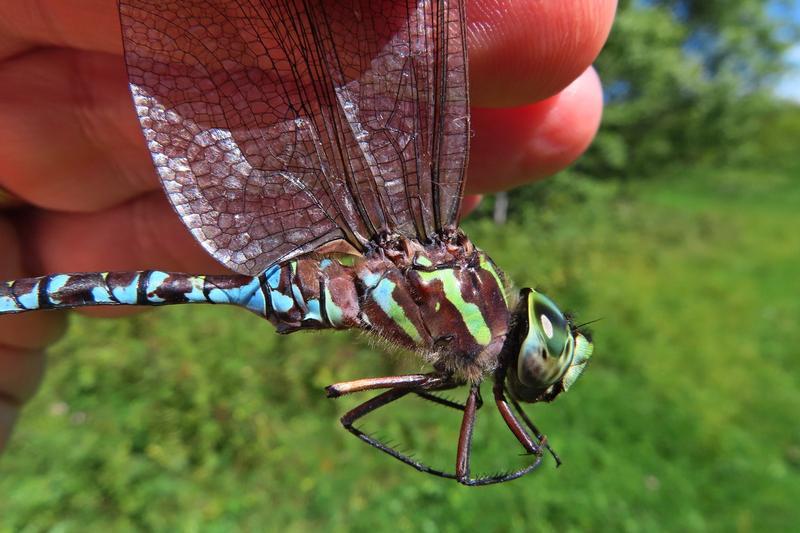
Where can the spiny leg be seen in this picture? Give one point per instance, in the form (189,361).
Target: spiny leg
(370,405)
(465,448)
(517,428)
(445,401)
(532,426)
(465,437)
(421,384)
(512,422)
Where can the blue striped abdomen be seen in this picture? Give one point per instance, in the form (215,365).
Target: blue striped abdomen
(308,293)
(149,287)
(305,293)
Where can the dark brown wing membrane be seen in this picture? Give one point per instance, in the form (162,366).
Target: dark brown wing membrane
(278,126)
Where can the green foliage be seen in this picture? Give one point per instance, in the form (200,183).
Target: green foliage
(775,144)
(686,82)
(203,418)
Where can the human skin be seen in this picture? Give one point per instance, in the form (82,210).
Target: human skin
(71,150)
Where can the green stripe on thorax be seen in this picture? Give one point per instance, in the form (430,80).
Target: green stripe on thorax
(487,265)
(383,294)
(470,313)
(389,297)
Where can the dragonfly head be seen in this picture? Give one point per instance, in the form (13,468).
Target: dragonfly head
(545,353)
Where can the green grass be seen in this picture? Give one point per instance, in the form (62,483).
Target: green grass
(203,418)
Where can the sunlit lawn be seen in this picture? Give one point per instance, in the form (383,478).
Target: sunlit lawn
(687,418)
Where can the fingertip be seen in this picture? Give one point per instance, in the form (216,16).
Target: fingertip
(569,128)
(143,233)
(21,372)
(525,51)
(517,145)
(27,330)
(34,330)
(469,203)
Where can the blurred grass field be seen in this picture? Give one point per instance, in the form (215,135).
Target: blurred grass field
(687,419)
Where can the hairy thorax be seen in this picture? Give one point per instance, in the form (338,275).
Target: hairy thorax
(446,300)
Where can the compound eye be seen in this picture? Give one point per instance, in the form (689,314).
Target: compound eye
(551,324)
(547,345)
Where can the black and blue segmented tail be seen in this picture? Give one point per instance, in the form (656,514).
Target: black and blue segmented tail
(150,287)
(279,294)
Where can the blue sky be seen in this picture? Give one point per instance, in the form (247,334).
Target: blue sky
(789,86)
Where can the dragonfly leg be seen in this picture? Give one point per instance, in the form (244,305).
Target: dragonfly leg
(465,449)
(465,440)
(422,384)
(532,426)
(445,401)
(385,398)
(512,422)
(434,380)
(465,436)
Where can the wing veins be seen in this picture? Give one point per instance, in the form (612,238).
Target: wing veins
(340,220)
(334,105)
(294,122)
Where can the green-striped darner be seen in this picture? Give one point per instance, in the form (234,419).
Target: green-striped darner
(318,150)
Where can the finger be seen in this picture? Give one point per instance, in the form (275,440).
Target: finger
(516,145)
(469,203)
(514,32)
(21,338)
(524,51)
(70,139)
(142,232)
(28,331)
(20,374)
(83,24)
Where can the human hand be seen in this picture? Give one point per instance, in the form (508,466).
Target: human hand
(72,151)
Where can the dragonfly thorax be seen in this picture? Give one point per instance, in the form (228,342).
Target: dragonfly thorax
(445,299)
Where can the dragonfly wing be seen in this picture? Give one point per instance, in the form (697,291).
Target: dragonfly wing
(278,126)
(409,111)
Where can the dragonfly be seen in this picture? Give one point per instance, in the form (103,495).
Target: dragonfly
(317,149)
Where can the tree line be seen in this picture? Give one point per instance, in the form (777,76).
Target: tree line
(691,81)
